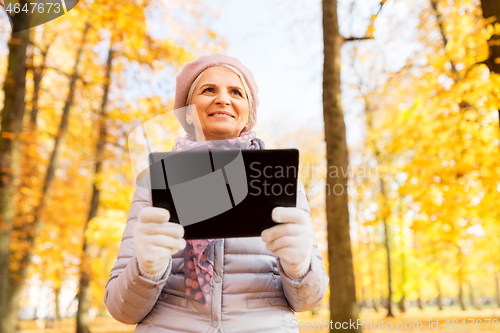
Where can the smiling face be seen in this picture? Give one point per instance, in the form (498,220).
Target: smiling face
(221,104)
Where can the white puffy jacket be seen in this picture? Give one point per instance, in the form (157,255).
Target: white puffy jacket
(250,292)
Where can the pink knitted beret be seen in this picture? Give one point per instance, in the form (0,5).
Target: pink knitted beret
(191,71)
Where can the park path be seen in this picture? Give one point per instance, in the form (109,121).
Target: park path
(415,321)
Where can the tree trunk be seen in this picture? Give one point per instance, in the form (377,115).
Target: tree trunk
(343,306)
(492,8)
(461,297)
(461,292)
(57,294)
(84,301)
(375,300)
(375,304)
(402,301)
(29,173)
(472,295)
(439,296)
(384,210)
(30,229)
(420,303)
(38,73)
(497,280)
(363,302)
(416,249)
(402,304)
(27,147)
(12,125)
(390,312)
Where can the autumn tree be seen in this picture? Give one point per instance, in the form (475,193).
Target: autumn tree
(438,115)
(12,117)
(343,306)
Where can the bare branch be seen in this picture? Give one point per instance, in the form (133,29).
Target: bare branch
(352,39)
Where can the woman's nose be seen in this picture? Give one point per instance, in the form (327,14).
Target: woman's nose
(223,99)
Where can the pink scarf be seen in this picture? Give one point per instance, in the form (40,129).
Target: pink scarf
(199,253)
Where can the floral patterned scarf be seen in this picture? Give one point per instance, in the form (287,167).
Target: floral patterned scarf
(199,253)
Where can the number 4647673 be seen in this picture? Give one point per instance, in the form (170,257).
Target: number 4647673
(472,323)
(35,7)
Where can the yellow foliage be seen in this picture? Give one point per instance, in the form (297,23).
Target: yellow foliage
(434,134)
(106,230)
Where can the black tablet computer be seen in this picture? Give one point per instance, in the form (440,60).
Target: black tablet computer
(222,194)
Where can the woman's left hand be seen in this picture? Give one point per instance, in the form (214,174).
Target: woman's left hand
(291,241)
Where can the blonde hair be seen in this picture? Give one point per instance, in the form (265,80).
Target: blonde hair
(248,93)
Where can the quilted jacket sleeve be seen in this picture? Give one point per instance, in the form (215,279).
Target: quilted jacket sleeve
(129,296)
(308,292)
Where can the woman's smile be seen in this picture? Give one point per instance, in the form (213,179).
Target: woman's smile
(221,115)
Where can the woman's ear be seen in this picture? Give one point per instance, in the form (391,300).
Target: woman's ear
(189,118)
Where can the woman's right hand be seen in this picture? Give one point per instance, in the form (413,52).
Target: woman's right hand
(156,240)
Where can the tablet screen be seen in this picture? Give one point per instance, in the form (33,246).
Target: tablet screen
(221,194)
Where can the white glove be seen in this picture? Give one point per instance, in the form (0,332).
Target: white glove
(292,241)
(155,241)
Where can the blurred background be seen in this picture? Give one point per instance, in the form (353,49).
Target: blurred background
(419,90)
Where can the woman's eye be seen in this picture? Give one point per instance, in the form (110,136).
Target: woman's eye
(237,92)
(208,89)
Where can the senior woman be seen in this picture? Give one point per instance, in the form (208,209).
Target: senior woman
(165,284)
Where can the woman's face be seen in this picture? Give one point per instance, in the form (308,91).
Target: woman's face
(221,104)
